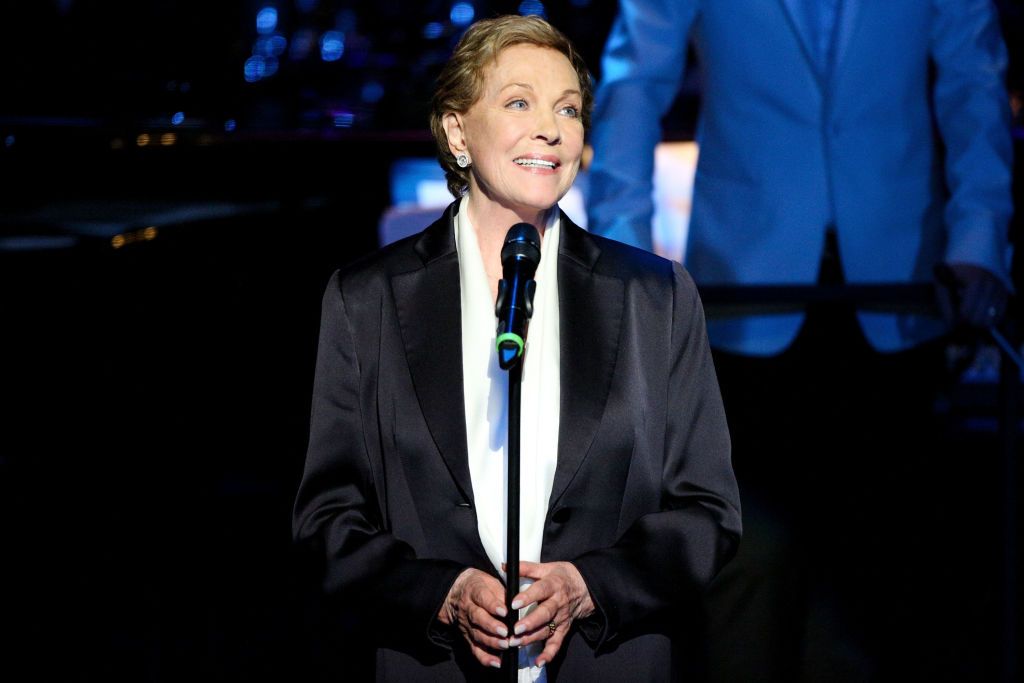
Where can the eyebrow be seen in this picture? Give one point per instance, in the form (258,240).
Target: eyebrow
(567,91)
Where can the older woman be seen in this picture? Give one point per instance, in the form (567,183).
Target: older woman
(629,505)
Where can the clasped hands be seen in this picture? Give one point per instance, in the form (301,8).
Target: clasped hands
(476,605)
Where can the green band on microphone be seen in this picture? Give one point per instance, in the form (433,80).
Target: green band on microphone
(512,337)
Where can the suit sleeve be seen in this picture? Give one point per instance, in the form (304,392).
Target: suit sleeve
(973,115)
(668,557)
(641,71)
(337,509)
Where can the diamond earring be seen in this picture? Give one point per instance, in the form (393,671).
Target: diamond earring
(462,160)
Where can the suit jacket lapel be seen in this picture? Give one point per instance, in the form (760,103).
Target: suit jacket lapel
(590,319)
(428,301)
(804,34)
(849,14)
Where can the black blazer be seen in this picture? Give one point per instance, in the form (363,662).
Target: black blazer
(644,501)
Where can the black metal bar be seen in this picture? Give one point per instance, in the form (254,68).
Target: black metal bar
(510,660)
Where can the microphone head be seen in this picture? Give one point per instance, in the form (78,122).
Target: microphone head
(522,246)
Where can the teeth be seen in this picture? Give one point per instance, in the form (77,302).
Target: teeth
(538,163)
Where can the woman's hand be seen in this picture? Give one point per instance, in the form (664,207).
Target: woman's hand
(561,595)
(475,603)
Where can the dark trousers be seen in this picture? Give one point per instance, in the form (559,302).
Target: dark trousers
(836,449)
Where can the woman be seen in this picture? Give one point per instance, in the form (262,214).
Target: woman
(629,505)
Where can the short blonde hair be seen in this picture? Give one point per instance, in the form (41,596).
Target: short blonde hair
(460,83)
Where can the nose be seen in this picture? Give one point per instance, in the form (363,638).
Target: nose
(546,128)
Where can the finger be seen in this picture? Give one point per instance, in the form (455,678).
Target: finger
(533,570)
(537,591)
(541,616)
(482,619)
(553,645)
(490,595)
(484,657)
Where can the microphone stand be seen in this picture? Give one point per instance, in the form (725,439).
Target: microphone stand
(510,660)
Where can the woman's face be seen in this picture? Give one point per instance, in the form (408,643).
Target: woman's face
(524,136)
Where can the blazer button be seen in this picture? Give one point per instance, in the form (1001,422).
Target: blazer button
(560,516)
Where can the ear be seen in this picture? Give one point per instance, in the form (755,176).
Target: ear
(455,130)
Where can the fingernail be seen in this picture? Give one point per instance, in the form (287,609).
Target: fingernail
(519,629)
(516,604)
(495,663)
(504,644)
(540,662)
(514,642)
(502,631)
(502,612)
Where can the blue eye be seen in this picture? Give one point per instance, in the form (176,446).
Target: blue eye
(571,111)
(517,104)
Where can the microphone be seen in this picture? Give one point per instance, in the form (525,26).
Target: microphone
(519,258)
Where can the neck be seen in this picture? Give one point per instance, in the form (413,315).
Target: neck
(490,223)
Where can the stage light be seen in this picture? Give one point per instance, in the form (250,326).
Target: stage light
(372,92)
(230,125)
(266,20)
(178,118)
(528,7)
(255,67)
(270,46)
(433,30)
(344,119)
(462,14)
(332,46)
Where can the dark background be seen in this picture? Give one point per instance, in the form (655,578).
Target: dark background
(154,387)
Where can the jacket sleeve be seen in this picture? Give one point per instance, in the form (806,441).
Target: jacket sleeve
(337,509)
(641,71)
(973,115)
(669,556)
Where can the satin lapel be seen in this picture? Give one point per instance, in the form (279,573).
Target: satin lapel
(798,22)
(849,15)
(590,319)
(429,309)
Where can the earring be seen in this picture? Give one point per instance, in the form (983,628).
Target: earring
(462,160)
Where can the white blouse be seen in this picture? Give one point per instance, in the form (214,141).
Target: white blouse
(485,387)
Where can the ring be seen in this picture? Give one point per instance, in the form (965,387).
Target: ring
(552,626)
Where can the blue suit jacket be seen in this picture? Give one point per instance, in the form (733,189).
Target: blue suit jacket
(786,149)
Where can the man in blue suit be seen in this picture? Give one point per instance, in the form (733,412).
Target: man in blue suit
(858,141)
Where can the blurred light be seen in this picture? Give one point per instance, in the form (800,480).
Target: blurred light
(168,139)
(462,14)
(9,141)
(266,20)
(372,92)
(527,7)
(332,46)
(302,44)
(433,30)
(142,140)
(230,125)
(269,66)
(306,5)
(344,119)
(178,118)
(143,235)
(254,68)
(270,46)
